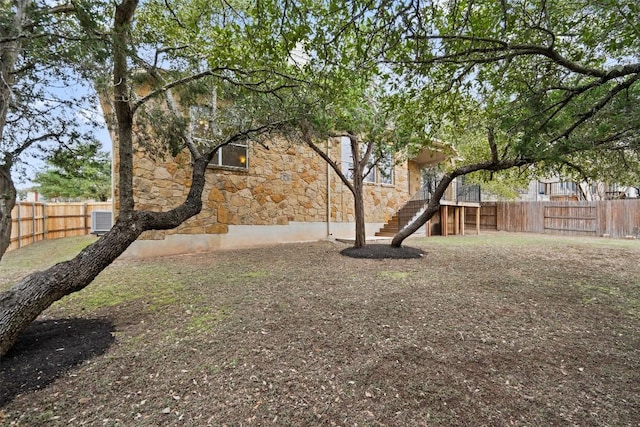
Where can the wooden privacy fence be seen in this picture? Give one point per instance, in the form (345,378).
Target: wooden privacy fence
(35,221)
(615,218)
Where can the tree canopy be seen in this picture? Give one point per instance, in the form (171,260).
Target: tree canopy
(556,81)
(540,87)
(134,61)
(49,55)
(81,173)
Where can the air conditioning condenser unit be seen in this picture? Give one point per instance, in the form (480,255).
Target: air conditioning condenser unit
(101,222)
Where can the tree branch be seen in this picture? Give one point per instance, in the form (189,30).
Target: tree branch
(307,140)
(502,50)
(491,138)
(216,72)
(598,106)
(28,143)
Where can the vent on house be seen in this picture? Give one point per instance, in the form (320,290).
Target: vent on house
(100,222)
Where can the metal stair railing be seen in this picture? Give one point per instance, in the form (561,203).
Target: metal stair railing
(468,193)
(464,193)
(413,206)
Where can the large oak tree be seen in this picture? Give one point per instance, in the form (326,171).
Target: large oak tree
(537,86)
(554,83)
(206,52)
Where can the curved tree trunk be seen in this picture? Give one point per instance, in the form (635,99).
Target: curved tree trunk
(432,208)
(21,304)
(434,203)
(7,202)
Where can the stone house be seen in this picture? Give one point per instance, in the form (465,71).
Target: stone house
(256,195)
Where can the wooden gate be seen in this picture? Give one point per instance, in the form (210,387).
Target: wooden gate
(571,218)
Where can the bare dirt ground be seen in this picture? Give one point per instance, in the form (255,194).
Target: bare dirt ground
(496,330)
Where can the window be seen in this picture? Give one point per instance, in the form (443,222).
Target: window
(386,177)
(385,169)
(569,187)
(371,176)
(202,123)
(204,132)
(382,173)
(232,155)
(346,157)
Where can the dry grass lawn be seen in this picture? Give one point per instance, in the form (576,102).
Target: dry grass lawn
(497,329)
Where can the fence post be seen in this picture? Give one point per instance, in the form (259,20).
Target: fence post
(44,221)
(19,227)
(84,217)
(33,222)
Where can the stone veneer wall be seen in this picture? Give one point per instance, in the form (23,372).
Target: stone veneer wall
(284,185)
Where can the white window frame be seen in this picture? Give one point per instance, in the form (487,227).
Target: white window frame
(218,159)
(391,179)
(373,177)
(346,157)
(206,113)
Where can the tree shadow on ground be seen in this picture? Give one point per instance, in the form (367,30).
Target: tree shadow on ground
(48,349)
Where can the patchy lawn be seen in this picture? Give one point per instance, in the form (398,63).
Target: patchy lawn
(498,329)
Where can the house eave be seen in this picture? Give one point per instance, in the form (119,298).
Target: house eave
(435,154)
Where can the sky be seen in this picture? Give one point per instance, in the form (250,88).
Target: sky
(90,112)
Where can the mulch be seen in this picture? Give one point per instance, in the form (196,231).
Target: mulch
(378,251)
(47,350)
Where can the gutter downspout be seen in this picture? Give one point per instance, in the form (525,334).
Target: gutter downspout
(328,194)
